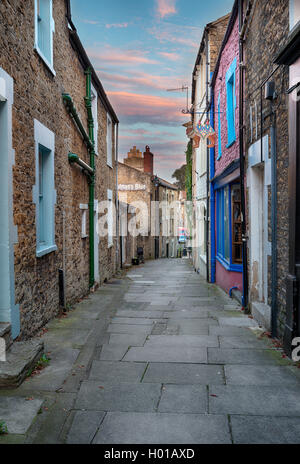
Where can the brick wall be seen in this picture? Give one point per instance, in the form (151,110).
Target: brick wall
(230,52)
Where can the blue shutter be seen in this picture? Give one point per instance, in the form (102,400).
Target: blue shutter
(231,103)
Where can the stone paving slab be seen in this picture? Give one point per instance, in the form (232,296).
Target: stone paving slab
(84,427)
(18,413)
(163,428)
(100,396)
(229,331)
(243,356)
(132,320)
(74,338)
(190,399)
(140,313)
(240,342)
(255,400)
(115,372)
(113,352)
(127,339)
(51,378)
(178,373)
(237,321)
(265,430)
(177,354)
(183,340)
(260,375)
(184,314)
(189,327)
(129,329)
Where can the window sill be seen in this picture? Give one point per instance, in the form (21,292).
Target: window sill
(228,266)
(84,236)
(42,251)
(229,144)
(110,245)
(42,56)
(109,165)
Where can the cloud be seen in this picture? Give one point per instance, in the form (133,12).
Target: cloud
(166,8)
(88,21)
(170,56)
(140,80)
(117,56)
(116,25)
(188,36)
(134,108)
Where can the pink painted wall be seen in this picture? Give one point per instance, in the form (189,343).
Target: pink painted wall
(224,278)
(227,279)
(230,52)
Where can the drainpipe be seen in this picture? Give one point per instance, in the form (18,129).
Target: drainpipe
(274,309)
(207,161)
(242,160)
(88,104)
(212,198)
(118,254)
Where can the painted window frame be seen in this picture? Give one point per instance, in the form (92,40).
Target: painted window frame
(220,214)
(45,139)
(109,144)
(110,239)
(231,103)
(219,128)
(48,63)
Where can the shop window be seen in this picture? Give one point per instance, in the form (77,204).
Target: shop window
(229,227)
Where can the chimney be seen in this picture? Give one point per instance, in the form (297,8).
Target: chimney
(148,161)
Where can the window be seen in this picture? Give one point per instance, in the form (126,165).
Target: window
(219,128)
(84,209)
(237,242)
(109,141)
(95,117)
(44,28)
(294,13)
(110,219)
(229,227)
(44,193)
(231,103)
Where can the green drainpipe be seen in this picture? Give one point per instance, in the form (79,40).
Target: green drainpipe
(88,104)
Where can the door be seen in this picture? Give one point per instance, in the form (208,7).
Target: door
(96,242)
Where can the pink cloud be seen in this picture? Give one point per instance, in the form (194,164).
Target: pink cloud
(87,21)
(174,33)
(147,108)
(166,8)
(140,79)
(116,56)
(116,25)
(170,56)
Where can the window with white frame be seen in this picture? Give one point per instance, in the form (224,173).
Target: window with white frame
(110,241)
(95,117)
(44,193)
(44,28)
(109,141)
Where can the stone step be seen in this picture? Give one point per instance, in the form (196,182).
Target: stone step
(5,332)
(20,359)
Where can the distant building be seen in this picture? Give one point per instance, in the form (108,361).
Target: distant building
(137,183)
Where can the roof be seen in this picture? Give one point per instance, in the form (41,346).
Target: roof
(165,183)
(232,19)
(85,61)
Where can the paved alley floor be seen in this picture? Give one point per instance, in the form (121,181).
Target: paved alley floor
(159,357)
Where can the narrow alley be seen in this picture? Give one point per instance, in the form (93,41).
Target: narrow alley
(156,357)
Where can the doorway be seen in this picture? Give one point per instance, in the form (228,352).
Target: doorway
(9,312)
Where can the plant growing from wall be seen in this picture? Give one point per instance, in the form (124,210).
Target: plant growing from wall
(3,428)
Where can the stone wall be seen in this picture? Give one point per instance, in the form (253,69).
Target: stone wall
(267,32)
(37,95)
